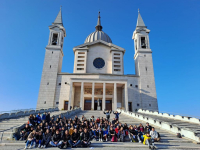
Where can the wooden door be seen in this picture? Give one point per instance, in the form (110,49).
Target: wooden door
(108,104)
(87,104)
(66,105)
(129,106)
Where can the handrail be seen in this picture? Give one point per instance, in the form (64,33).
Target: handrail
(1,135)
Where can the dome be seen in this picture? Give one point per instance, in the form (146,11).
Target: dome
(98,35)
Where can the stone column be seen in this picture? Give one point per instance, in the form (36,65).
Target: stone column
(93,88)
(82,96)
(104,97)
(126,96)
(70,95)
(115,97)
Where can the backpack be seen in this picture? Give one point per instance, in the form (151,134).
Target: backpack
(179,135)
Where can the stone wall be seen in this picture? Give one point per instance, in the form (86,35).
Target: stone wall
(25,113)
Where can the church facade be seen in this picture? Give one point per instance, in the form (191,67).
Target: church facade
(98,75)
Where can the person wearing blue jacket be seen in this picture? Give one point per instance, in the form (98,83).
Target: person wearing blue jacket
(116,115)
(105,134)
(44,116)
(39,120)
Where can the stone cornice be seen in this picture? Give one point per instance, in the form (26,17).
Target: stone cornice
(127,75)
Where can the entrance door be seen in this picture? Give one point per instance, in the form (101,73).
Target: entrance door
(96,104)
(66,105)
(109,105)
(87,105)
(129,106)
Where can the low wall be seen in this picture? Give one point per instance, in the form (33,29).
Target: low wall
(166,115)
(25,113)
(164,125)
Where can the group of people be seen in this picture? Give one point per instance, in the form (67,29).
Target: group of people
(43,130)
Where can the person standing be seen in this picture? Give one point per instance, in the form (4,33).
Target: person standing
(116,115)
(108,114)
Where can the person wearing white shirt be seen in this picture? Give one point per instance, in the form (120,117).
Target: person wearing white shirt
(154,135)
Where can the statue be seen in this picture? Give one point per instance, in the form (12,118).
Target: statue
(98,105)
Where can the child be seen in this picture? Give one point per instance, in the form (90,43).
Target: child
(56,139)
(121,134)
(75,139)
(148,141)
(85,138)
(116,115)
(39,138)
(105,134)
(31,139)
(113,135)
(46,139)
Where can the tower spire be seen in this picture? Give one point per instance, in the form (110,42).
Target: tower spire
(140,22)
(58,19)
(98,26)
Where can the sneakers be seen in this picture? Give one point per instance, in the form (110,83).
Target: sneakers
(29,147)
(140,141)
(25,147)
(131,141)
(106,139)
(39,146)
(44,146)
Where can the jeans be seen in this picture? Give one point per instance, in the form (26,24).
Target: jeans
(71,143)
(84,144)
(30,142)
(149,142)
(16,136)
(121,138)
(39,142)
(43,142)
(55,145)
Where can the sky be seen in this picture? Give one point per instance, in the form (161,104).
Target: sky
(174,40)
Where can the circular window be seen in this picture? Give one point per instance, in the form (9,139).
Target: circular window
(99,63)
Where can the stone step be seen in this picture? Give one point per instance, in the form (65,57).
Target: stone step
(121,145)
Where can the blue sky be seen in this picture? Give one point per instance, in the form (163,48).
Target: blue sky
(174,40)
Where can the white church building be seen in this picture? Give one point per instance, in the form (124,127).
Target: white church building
(98,72)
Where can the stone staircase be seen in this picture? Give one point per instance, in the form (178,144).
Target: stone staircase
(7,126)
(168,140)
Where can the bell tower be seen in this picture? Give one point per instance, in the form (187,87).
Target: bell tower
(144,66)
(52,64)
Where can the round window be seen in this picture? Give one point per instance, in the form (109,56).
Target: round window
(99,63)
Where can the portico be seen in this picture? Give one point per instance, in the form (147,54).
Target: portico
(112,94)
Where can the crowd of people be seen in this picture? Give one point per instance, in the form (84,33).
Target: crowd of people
(43,131)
